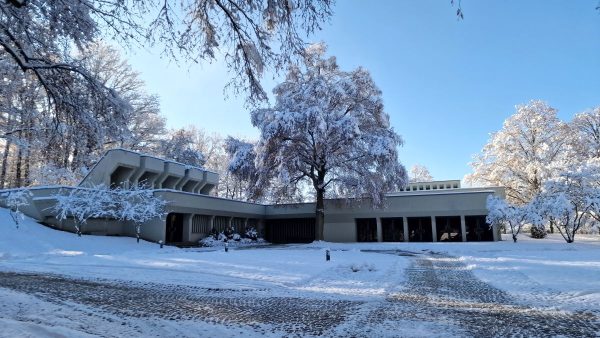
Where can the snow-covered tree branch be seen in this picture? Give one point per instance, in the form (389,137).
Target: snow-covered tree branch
(572,200)
(327,129)
(137,205)
(503,213)
(532,147)
(15,200)
(82,204)
(419,173)
(251,35)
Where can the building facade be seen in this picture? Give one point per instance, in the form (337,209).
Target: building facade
(422,212)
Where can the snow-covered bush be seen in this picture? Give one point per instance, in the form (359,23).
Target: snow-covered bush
(251,233)
(81,204)
(250,236)
(137,205)
(362,267)
(571,201)
(514,217)
(15,200)
(210,241)
(538,232)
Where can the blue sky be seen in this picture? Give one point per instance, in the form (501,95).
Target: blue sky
(446,83)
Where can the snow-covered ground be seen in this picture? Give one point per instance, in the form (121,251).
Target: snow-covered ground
(36,248)
(545,273)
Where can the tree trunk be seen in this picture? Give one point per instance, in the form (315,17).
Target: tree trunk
(4,164)
(514,238)
(551,228)
(18,176)
(320,215)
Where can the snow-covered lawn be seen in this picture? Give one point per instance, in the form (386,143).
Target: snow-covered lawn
(537,270)
(545,273)
(36,248)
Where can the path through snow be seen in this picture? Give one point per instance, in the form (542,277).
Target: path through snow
(439,297)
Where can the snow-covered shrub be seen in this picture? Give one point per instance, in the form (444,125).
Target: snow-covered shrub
(230,236)
(514,217)
(15,200)
(210,241)
(571,201)
(538,232)
(81,204)
(222,237)
(251,233)
(362,267)
(137,205)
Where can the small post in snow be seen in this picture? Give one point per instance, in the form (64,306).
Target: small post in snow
(161,243)
(226,246)
(327,255)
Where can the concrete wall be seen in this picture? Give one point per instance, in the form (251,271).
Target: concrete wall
(119,167)
(340,217)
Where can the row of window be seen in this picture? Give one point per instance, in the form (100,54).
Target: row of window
(436,186)
(420,229)
(203,224)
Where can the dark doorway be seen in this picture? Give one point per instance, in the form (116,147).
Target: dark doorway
(174,228)
(448,229)
(392,229)
(290,230)
(366,230)
(419,229)
(478,229)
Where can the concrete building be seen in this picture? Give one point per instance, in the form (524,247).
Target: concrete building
(422,212)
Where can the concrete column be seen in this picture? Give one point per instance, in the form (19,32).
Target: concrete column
(187,227)
(212,222)
(405,228)
(496,233)
(463,228)
(433,228)
(379,233)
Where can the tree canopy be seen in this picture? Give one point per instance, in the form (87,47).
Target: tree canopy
(327,129)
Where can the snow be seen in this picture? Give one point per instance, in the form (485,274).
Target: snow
(538,272)
(541,272)
(36,248)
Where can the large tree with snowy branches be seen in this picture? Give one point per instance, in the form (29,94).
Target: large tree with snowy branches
(419,173)
(585,128)
(328,128)
(250,35)
(532,147)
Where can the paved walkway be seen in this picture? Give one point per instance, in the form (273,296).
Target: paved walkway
(440,297)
